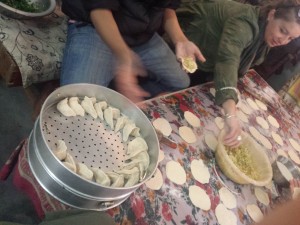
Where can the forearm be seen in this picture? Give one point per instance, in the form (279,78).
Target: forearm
(286,214)
(229,107)
(107,28)
(172,27)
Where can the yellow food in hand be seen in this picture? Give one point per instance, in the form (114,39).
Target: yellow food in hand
(189,64)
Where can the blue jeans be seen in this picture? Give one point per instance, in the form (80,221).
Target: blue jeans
(87,59)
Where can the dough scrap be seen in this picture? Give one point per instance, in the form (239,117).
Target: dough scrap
(155,182)
(187,134)
(254,212)
(294,144)
(252,104)
(199,197)
(225,216)
(262,196)
(262,122)
(219,122)
(261,105)
(175,172)
(273,121)
(211,141)
(200,171)
(277,138)
(228,199)
(192,119)
(163,126)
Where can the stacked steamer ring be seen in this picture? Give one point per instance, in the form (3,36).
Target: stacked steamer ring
(91,142)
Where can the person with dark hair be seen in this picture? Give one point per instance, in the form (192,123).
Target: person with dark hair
(233,37)
(109,39)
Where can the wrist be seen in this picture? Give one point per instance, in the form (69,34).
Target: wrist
(229,107)
(229,116)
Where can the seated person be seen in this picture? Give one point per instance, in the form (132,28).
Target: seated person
(119,39)
(232,37)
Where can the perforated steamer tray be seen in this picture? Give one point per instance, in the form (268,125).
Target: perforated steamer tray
(89,141)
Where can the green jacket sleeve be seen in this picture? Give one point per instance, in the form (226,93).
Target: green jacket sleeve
(236,36)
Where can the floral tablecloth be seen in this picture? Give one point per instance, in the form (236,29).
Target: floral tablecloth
(35,45)
(171,204)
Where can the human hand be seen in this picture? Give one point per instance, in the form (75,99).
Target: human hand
(127,70)
(188,49)
(233,131)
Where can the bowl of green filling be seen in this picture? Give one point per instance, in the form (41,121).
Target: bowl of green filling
(26,9)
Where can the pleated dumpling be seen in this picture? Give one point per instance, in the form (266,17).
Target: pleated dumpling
(142,157)
(117,180)
(121,121)
(70,166)
(84,171)
(101,177)
(88,105)
(115,112)
(136,146)
(131,175)
(75,106)
(60,150)
(70,163)
(64,108)
(108,117)
(136,163)
(130,129)
(99,107)
(144,161)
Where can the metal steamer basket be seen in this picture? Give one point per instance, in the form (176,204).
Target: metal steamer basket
(89,141)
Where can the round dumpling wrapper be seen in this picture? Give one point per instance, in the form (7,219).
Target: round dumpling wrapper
(200,171)
(163,126)
(187,134)
(199,198)
(225,216)
(262,196)
(175,172)
(155,182)
(228,199)
(254,212)
(192,119)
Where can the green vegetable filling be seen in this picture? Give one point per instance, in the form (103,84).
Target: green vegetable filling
(23,5)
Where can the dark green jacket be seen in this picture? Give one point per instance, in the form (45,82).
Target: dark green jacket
(230,36)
